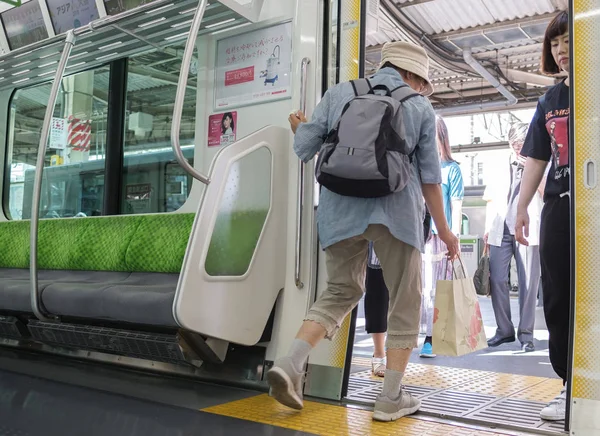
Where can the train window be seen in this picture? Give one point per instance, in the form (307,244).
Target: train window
(242,213)
(74,162)
(153,181)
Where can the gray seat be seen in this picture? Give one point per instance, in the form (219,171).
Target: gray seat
(137,298)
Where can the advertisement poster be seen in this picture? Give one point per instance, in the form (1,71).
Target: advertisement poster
(222,129)
(24,25)
(58,134)
(137,197)
(254,67)
(71,14)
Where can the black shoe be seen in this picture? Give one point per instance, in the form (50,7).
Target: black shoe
(528,347)
(497,340)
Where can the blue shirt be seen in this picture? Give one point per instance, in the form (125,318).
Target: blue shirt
(452,189)
(341,217)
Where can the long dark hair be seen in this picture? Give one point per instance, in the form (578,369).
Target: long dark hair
(442,139)
(225,116)
(557,27)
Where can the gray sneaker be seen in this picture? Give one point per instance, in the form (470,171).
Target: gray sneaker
(286,383)
(387,409)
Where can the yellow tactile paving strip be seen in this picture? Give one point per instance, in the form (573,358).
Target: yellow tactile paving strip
(467,380)
(328,420)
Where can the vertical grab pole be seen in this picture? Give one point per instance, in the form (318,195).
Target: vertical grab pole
(39,169)
(300,208)
(180,96)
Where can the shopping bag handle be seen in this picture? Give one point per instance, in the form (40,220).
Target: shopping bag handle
(462,267)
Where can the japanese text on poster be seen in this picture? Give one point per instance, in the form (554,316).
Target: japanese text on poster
(58,134)
(24,25)
(71,14)
(222,129)
(254,67)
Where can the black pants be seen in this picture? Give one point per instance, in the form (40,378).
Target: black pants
(377,302)
(555,257)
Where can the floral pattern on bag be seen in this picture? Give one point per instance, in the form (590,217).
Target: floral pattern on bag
(475,327)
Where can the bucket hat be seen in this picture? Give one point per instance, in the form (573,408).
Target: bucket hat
(409,57)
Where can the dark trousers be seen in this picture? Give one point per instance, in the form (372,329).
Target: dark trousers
(555,256)
(377,302)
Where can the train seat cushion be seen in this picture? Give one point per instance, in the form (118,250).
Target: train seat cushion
(118,268)
(130,243)
(14,244)
(15,284)
(141,298)
(160,243)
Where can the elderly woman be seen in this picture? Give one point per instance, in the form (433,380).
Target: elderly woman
(502,196)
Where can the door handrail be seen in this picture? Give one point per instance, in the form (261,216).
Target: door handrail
(180,96)
(300,194)
(36,306)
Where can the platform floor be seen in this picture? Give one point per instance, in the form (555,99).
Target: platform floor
(500,385)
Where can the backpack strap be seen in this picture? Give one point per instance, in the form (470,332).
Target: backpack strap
(362,87)
(403,93)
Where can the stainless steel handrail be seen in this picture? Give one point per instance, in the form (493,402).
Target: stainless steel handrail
(180,96)
(300,209)
(39,169)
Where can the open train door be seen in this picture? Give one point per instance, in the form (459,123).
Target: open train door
(585,207)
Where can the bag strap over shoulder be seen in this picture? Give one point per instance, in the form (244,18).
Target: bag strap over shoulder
(361,87)
(403,93)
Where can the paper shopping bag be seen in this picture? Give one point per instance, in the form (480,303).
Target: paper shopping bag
(457,322)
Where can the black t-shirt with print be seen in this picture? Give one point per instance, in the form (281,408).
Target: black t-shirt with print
(548,138)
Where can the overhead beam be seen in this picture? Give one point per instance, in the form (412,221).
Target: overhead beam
(483,146)
(503,25)
(461,110)
(412,3)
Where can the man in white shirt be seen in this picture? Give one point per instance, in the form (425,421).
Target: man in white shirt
(502,196)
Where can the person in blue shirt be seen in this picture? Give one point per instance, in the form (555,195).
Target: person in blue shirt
(434,262)
(394,223)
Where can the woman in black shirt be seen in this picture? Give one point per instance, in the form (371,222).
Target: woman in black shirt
(548,141)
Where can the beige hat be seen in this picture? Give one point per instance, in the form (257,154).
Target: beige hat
(409,57)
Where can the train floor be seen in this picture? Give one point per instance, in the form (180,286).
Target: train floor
(48,395)
(500,385)
(102,402)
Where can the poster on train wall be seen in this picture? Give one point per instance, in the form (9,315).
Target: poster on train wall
(254,67)
(222,129)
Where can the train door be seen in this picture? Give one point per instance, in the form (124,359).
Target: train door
(495,387)
(585,155)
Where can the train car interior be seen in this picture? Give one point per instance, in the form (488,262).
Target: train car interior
(158,241)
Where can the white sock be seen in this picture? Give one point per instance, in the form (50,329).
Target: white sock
(299,352)
(391,383)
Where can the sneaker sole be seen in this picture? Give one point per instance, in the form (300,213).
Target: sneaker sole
(427,356)
(282,389)
(552,418)
(388,417)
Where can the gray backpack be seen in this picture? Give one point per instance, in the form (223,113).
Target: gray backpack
(366,154)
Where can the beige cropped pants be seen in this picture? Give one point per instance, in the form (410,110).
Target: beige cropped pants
(346,266)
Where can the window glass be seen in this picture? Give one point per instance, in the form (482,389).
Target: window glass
(242,213)
(153,181)
(74,163)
